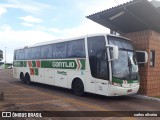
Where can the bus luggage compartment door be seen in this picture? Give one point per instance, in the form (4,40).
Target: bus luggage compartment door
(61,78)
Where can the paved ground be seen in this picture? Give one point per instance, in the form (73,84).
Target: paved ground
(39,97)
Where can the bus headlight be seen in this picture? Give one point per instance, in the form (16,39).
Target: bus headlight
(117,84)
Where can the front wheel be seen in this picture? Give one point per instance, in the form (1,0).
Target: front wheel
(78,87)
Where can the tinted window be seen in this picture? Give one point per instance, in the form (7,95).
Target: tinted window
(36,53)
(61,50)
(98,57)
(27,54)
(120,42)
(76,49)
(46,51)
(15,55)
(20,55)
(54,51)
(96,44)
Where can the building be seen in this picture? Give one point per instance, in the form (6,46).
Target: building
(138,20)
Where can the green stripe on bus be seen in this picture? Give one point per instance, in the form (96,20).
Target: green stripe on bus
(33,63)
(78,64)
(36,71)
(24,63)
(117,80)
(18,63)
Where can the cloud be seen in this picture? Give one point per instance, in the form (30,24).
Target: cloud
(87,27)
(2,10)
(26,24)
(31,19)
(13,39)
(30,6)
(5,27)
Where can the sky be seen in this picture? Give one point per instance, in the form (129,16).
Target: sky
(27,22)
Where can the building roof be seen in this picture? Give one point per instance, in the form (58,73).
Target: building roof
(136,15)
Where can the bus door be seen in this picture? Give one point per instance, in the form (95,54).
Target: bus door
(99,66)
(102,81)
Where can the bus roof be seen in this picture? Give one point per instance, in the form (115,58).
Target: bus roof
(70,39)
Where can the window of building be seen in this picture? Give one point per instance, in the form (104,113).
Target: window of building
(152,58)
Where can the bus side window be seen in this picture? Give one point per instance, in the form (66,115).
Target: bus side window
(15,55)
(46,51)
(54,51)
(76,48)
(21,54)
(36,53)
(61,50)
(27,53)
(17,51)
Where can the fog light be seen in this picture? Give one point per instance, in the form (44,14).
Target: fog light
(130,90)
(117,84)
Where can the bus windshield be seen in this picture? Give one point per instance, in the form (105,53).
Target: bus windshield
(125,67)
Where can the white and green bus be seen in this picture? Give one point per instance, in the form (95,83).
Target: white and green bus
(101,64)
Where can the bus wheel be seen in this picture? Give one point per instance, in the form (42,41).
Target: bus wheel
(22,77)
(27,79)
(78,87)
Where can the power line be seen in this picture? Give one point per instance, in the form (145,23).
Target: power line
(116,1)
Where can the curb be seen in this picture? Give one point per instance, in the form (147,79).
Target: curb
(144,97)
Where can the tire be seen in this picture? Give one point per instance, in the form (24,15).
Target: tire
(22,77)
(27,79)
(78,87)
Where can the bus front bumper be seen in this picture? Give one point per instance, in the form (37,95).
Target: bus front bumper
(119,91)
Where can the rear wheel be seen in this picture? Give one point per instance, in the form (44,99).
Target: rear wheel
(22,77)
(27,79)
(78,87)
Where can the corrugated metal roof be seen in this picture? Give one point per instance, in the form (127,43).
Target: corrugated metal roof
(132,16)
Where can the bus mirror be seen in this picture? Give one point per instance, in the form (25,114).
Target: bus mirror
(142,57)
(113,51)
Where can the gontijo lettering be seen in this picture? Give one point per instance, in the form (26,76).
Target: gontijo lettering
(63,64)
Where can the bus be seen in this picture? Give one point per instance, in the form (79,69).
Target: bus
(102,64)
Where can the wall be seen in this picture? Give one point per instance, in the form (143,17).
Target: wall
(149,76)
